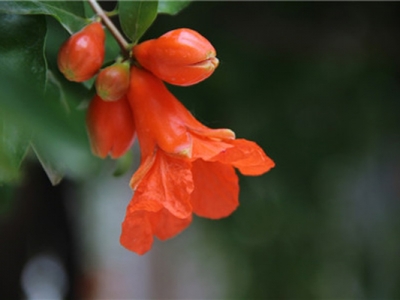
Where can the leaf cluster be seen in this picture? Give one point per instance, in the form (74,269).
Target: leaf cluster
(42,115)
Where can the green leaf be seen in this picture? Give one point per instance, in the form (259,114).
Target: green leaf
(70,14)
(51,115)
(51,168)
(14,144)
(89,13)
(60,136)
(22,47)
(136,17)
(54,90)
(21,56)
(171,7)
(112,48)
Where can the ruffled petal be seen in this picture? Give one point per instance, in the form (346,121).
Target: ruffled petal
(207,149)
(145,220)
(137,233)
(137,229)
(169,182)
(165,225)
(216,189)
(247,156)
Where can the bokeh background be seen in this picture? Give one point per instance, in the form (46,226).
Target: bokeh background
(316,85)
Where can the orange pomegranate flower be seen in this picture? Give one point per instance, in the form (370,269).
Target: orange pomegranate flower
(185,167)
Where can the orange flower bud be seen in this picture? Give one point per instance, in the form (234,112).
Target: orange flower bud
(180,57)
(110,127)
(112,83)
(81,56)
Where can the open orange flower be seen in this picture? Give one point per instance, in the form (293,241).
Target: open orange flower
(185,167)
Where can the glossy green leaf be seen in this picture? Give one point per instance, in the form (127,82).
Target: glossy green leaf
(136,17)
(171,7)
(70,14)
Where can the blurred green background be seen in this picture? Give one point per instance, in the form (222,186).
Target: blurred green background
(316,85)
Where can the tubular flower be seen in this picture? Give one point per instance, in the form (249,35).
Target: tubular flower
(180,57)
(185,167)
(110,127)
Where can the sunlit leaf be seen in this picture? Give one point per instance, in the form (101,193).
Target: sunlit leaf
(171,7)
(70,14)
(136,17)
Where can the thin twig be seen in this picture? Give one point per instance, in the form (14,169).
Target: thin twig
(123,44)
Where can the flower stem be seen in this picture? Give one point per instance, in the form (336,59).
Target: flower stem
(123,44)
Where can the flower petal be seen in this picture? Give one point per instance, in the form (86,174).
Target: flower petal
(247,156)
(165,225)
(216,134)
(169,182)
(216,189)
(145,219)
(137,234)
(207,149)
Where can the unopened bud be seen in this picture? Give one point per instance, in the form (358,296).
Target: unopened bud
(112,83)
(81,56)
(110,127)
(180,57)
